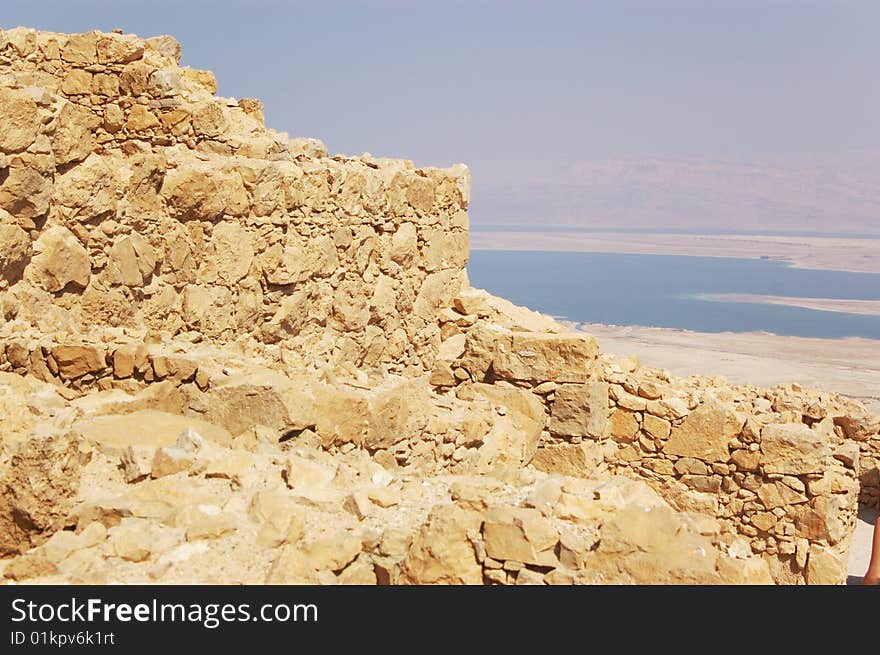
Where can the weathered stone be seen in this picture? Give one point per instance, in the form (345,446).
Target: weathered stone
(689,465)
(703,483)
(404,244)
(656,427)
(776,494)
(792,449)
(80,48)
(201,193)
(519,534)
(763,521)
(580,410)
(205,522)
(77,82)
(705,433)
(479,349)
(825,567)
(38,488)
(858,428)
(292,566)
(133,539)
(118,48)
(525,412)
(848,454)
(539,357)
(140,118)
(397,413)
(640,544)
(750,571)
(73,139)
(87,191)
(132,260)
(136,462)
(147,427)
(59,259)
(824,519)
(105,85)
(671,409)
(229,255)
(208,119)
(75,361)
(169,460)
(624,425)
(342,415)
(304,474)
(15,252)
(333,551)
(746,460)
(628,401)
(24,193)
(208,309)
(20,120)
(579,460)
(442,551)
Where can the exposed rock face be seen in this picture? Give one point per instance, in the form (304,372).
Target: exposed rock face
(228,357)
(143,189)
(39,487)
(705,433)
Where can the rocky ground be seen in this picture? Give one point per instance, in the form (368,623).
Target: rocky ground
(848,366)
(227,357)
(229,468)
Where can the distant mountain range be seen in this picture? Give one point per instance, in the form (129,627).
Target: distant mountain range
(806,193)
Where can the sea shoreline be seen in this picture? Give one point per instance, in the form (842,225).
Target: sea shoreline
(849,366)
(854,255)
(837,305)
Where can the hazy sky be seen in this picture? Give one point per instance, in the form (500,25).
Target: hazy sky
(601,113)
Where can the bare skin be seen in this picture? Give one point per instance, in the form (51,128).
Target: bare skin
(872,577)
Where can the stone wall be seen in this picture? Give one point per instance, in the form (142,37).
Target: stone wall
(131,196)
(161,250)
(779,469)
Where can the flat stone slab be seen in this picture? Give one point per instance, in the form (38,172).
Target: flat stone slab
(147,427)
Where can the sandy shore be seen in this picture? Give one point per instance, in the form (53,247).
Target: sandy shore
(849,366)
(831,253)
(865,307)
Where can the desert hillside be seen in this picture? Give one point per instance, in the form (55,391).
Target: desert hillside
(228,357)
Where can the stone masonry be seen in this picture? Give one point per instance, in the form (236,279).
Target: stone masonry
(226,356)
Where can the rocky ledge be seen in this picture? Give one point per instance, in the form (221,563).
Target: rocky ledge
(228,357)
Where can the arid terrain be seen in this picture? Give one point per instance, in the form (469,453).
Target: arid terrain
(848,366)
(228,357)
(828,253)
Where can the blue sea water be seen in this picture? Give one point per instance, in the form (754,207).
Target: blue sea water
(662,290)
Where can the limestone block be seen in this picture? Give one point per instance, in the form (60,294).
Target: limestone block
(15,252)
(75,361)
(442,551)
(578,460)
(580,410)
(825,567)
(793,448)
(706,432)
(519,534)
(540,357)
